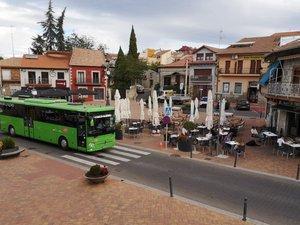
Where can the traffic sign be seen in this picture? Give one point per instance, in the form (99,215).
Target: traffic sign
(168,111)
(166,120)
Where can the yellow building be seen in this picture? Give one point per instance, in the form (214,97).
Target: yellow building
(241,64)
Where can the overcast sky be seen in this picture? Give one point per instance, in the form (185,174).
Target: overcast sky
(166,24)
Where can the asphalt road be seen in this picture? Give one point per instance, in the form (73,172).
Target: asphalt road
(270,199)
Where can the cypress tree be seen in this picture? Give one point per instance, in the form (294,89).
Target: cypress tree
(132,52)
(49,27)
(60,34)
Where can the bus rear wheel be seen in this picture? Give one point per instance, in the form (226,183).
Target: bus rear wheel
(63,143)
(11,131)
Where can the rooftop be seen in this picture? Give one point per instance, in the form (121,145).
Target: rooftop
(56,104)
(213,49)
(87,57)
(50,60)
(178,64)
(13,62)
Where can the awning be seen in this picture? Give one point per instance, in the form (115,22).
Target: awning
(266,76)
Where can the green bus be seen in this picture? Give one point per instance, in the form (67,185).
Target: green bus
(82,127)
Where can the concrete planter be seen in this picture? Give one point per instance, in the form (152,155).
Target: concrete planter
(11,152)
(96,180)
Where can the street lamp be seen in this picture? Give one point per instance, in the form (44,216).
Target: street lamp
(107,72)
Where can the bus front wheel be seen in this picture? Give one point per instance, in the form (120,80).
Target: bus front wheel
(11,131)
(63,143)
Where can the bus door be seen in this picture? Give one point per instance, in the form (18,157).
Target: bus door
(28,122)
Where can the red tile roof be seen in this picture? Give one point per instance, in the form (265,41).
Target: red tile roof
(14,62)
(50,60)
(179,63)
(87,57)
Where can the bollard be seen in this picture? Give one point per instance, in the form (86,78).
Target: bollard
(191,153)
(235,160)
(245,209)
(171,186)
(298,172)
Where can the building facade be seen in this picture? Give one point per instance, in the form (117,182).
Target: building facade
(10,75)
(87,75)
(202,71)
(50,70)
(150,79)
(283,89)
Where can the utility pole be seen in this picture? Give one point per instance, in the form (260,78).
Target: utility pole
(12,41)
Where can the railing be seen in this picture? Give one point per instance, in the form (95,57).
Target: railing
(201,78)
(284,89)
(239,71)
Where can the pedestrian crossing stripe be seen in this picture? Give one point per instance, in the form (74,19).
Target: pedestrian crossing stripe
(89,163)
(125,154)
(113,157)
(132,150)
(98,159)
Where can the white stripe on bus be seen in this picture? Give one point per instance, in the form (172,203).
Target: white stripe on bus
(125,154)
(132,150)
(114,157)
(79,160)
(98,159)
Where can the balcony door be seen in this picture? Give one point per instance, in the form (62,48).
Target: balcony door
(240,67)
(31,77)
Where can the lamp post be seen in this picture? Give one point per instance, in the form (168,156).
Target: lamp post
(107,72)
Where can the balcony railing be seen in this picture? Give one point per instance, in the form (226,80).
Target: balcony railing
(239,71)
(201,78)
(284,89)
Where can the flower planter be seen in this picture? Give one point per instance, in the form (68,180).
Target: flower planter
(96,180)
(184,146)
(119,134)
(11,152)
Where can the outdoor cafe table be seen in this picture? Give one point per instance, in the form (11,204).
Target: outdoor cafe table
(269,135)
(201,128)
(226,128)
(293,145)
(195,132)
(133,131)
(232,144)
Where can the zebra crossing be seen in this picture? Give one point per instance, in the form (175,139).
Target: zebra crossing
(112,157)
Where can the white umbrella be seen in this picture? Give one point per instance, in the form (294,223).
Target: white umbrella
(123,109)
(209,111)
(165,105)
(155,110)
(128,108)
(142,116)
(149,107)
(196,109)
(222,112)
(192,111)
(117,106)
(171,104)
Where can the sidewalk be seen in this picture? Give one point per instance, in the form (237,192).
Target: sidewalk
(39,190)
(258,158)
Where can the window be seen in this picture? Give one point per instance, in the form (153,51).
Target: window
(45,78)
(100,123)
(225,87)
(200,56)
(96,78)
(80,77)
(258,66)
(238,88)
(227,67)
(167,80)
(209,56)
(60,75)
(240,66)
(99,93)
(252,66)
(6,74)
(31,77)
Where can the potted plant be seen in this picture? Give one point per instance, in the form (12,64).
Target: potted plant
(8,148)
(184,143)
(189,125)
(97,174)
(186,108)
(118,131)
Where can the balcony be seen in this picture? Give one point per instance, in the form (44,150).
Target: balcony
(196,79)
(284,89)
(243,71)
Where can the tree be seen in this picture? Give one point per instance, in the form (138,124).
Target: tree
(1,58)
(102,47)
(38,45)
(121,81)
(132,52)
(83,41)
(60,34)
(49,27)
(154,66)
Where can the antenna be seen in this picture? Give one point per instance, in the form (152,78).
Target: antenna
(12,40)
(220,37)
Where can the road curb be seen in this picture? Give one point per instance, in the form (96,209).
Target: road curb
(214,163)
(164,193)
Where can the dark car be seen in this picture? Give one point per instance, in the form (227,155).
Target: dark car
(217,105)
(243,104)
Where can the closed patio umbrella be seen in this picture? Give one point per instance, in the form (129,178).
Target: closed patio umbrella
(128,108)
(222,112)
(117,106)
(149,107)
(196,109)
(192,111)
(155,120)
(142,115)
(209,111)
(165,105)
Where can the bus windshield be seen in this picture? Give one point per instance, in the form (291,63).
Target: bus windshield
(100,124)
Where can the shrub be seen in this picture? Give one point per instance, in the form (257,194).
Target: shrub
(8,142)
(118,126)
(189,125)
(186,107)
(96,171)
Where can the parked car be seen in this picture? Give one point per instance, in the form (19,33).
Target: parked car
(217,105)
(140,88)
(203,102)
(243,104)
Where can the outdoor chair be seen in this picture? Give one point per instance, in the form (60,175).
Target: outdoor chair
(241,150)
(284,150)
